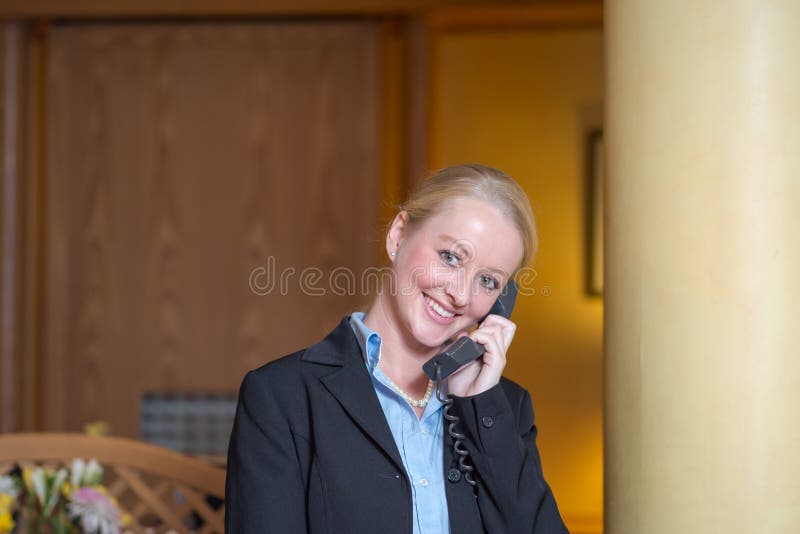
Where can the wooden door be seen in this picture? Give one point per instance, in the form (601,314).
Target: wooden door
(183,162)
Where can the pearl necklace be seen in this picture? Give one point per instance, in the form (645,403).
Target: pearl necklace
(421,403)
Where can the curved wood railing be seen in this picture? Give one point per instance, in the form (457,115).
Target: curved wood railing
(161,489)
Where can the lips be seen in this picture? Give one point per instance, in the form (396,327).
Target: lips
(437,312)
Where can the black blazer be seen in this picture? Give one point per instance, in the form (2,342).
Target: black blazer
(311,451)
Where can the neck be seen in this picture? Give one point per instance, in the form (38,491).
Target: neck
(401,358)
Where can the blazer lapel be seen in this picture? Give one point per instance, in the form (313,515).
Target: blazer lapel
(352,386)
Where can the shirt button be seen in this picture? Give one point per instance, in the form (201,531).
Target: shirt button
(488,421)
(424,430)
(423,482)
(453,474)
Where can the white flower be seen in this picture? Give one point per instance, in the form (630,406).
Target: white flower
(55,490)
(94,473)
(38,477)
(78,468)
(85,473)
(8,487)
(47,487)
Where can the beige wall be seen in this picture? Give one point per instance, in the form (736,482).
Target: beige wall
(523,101)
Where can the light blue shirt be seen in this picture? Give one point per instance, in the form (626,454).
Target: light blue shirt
(420,441)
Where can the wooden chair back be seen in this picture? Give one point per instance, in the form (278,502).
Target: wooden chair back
(161,489)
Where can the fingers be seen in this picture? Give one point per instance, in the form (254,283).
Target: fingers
(462,382)
(495,334)
(501,327)
(467,372)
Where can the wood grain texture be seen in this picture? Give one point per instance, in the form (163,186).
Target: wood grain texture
(206,8)
(8,249)
(393,123)
(33,205)
(182,157)
(20,226)
(11,226)
(419,88)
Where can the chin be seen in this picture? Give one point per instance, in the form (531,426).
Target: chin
(425,336)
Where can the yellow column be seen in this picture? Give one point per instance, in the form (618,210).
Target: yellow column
(702,267)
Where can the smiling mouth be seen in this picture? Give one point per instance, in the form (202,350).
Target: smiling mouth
(445,314)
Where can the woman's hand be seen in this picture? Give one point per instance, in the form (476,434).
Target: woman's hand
(495,334)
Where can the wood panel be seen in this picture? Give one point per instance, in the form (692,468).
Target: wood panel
(11,226)
(418,87)
(181,158)
(9,239)
(216,8)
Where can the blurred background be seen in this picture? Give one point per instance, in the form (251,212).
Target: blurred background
(176,175)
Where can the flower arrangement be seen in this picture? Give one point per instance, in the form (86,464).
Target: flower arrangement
(66,501)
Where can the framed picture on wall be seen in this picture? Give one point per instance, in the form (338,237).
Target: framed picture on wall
(594,213)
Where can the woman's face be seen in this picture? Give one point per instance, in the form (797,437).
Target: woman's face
(450,269)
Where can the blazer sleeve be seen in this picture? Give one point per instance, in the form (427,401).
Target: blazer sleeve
(264,490)
(513,496)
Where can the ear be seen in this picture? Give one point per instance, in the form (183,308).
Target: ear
(397,232)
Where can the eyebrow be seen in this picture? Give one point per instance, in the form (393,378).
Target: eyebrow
(452,239)
(448,237)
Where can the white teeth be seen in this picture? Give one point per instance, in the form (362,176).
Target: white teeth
(438,309)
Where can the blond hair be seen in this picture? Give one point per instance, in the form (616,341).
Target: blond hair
(482,183)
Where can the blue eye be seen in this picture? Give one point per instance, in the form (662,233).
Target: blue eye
(450,258)
(488,282)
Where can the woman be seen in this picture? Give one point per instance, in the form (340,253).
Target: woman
(348,437)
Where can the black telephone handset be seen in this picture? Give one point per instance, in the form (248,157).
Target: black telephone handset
(464,349)
(460,353)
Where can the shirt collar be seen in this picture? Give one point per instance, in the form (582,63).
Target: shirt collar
(368,340)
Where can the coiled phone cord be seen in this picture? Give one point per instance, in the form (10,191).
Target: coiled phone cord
(461,452)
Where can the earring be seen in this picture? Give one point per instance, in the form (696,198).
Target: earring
(393,253)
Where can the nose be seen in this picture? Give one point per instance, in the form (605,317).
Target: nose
(458,289)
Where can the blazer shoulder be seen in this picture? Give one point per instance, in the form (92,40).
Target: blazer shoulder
(277,379)
(279,368)
(519,399)
(513,390)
